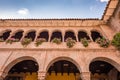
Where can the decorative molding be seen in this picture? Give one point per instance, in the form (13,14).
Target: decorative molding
(50,23)
(59,49)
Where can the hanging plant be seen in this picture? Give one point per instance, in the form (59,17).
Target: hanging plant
(116,41)
(26,41)
(56,40)
(39,41)
(11,40)
(70,42)
(103,42)
(84,41)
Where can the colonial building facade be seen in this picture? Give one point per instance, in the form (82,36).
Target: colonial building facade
(52,49)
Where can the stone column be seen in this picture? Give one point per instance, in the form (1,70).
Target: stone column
(85,75)
(63,34)
(24,33)
(37,34)
(89,34)
(9,36)
(50,35)
(76,35)
(41,75)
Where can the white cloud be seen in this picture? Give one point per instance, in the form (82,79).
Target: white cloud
(104,0)
(23,11)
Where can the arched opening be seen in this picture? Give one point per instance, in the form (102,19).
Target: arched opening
(24,70)
(5,35)
(31,35)
(82,34)
(69,34)
(63,70)
(56,34)
(18,35)
(44,35)
(95,35)
(101,70)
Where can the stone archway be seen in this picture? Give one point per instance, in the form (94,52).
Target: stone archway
(102,68)
(23,68)
(63,68)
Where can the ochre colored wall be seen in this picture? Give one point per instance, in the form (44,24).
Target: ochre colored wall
(59,76)
(25,76)
(32,76)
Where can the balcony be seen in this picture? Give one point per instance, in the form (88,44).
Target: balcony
(50,45)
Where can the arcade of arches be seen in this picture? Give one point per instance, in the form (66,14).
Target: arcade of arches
(63,70)
(32,34)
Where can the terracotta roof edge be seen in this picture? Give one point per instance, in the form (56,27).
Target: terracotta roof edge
(56,19)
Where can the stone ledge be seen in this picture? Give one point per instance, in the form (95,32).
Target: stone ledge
(52,46)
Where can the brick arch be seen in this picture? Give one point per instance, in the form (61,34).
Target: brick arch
(97,31)
(14,62)
(63,58)
(29,31)
(3,31)
(57,30)
(17,31)
(42,30)
(42,34)
(96,34)
(108,60)
(59,34)
(84,34)
(72,36)
(83,30)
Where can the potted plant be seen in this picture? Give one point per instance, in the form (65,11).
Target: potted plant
(11,40)
(84,41)
(26,41)
(56,40)
(70,42)
(103,42)
(116,41)
(39,41)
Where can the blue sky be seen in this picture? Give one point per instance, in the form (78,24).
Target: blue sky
(52,8)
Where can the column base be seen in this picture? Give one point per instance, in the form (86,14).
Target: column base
(41,75)
(85,75)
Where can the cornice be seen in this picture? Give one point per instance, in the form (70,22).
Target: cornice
(49,22)
(55,49)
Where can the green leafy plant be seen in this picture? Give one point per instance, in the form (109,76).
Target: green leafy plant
(103,42)
(84,41)
(70,42)
(39,41)
(56,40)
(116,41)
(11,40)
(26,41)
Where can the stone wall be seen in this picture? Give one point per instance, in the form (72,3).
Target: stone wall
(115,19)
(81,58)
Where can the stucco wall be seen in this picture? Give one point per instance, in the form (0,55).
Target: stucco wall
(115,19)
(45,58)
